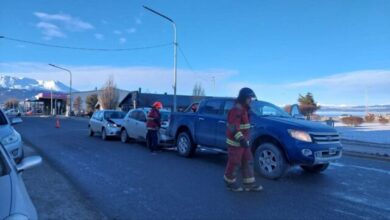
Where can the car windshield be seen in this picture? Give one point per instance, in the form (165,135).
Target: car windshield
(3,119)
(267,109)
(114,115)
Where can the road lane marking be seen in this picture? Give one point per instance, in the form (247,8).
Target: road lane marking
(363,168)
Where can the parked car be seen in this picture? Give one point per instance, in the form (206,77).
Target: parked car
(107,123)
(134,126)
(277,139)
(9,137)
(13,113)
(15,203)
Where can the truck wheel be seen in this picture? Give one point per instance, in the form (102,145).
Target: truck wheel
(315,168)
(270,161)
(124,136)
(185,146)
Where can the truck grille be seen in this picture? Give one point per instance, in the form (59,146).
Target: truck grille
(325,138)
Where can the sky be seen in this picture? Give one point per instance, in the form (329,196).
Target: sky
(338,50)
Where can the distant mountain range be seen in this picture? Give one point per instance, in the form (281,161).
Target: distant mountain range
(360,108)
(29,84)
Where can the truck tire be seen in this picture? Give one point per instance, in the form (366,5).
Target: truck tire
(270,161)
(184,145)
(315,168)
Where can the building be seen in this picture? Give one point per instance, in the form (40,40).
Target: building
(41,103)
(137,99)
(85,94)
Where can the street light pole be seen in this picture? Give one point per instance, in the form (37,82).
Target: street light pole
(174,54)
(70,88)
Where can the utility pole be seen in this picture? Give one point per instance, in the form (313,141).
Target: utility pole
(70,88)
(174,54)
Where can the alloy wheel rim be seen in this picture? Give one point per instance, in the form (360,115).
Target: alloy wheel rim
(267,161)
(183,144)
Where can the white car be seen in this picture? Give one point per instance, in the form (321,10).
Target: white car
(13,113)
(9,137)
(108,123)
(134,126)
(15,203)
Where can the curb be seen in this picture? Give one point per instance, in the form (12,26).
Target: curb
(366,155)
(364,143)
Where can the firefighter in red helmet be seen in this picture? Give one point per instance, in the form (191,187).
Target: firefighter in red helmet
(239,151)
(153,125)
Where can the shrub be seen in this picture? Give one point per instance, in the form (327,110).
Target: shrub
(369,118)
(352,121)
(383,120)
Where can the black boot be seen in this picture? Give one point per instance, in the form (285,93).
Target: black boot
(253,187)
(234,187)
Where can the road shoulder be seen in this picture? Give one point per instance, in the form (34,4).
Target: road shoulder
(54,196)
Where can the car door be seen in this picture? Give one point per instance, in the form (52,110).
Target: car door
(131,124)
(207,121)
(142,130)
(93,121)
(222,124)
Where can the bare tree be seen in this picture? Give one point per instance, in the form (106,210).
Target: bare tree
(11,103)
(77,104)
(109,97)
(91,101)
(198,92)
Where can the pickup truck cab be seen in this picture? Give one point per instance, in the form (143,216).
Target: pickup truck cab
(277,140)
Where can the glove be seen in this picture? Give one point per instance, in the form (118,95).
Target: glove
(244,143)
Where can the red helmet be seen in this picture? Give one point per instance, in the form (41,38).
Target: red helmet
(158,105)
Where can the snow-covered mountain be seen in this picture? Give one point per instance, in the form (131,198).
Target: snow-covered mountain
(24,83)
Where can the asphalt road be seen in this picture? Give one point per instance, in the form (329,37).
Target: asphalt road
(125,181)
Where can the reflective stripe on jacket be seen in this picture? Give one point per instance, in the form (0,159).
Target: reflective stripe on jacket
(238,125)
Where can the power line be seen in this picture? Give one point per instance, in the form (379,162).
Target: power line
(86,48)
(192,70)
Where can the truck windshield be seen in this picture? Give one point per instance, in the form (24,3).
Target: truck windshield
(267,109)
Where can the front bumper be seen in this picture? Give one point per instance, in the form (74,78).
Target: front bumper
(113,131)
(15,149)
(312,153)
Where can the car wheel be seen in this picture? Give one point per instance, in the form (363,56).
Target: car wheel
(124,136)
(104,135)
(185,146)
(270,161)
(315,168)
(90,132)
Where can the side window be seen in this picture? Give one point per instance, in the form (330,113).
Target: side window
(141,116)
(133,115)
(227,107)
(268,110)
(3,119)
(212,107)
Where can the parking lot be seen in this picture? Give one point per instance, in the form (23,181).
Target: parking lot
(126,181)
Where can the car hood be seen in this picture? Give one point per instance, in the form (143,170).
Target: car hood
(5,130)
(116,121)
(293,123)
(5,198)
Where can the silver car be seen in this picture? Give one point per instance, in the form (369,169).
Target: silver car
(9,137)
(107,123)
(15,203)
(134,126)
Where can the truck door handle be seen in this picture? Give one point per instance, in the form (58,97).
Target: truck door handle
(222,122)
(201,119)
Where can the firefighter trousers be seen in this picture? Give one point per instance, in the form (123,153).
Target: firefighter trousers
(239,158)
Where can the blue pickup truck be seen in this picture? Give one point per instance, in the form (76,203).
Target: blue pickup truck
(278,140)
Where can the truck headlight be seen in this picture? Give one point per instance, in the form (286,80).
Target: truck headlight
(10,139)
(300,135)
